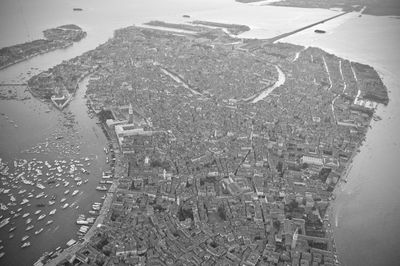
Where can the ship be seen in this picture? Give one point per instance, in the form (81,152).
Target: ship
(319,31)
(77,9)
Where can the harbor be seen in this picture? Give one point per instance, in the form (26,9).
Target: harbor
(51,173)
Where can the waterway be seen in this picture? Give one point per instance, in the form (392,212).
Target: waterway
(367,206)
(266,92)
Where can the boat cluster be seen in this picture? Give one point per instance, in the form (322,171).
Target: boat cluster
(33,190)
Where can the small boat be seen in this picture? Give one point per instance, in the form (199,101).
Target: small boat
(12,229)
(66,192)
(75,192)
(29,228)
(65,205)
(38,231)
(28,221)
(63,199)
(2,254)
(49,222)
(77,9)
(38,211)
(25,215)
(41,217)
(51,202)
(24,238)
(26,244)
(52,212)
(101,188)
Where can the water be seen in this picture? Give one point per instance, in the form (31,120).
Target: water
(367,208)
(371,192)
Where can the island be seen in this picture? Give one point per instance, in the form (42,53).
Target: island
(54,38)
(229,149)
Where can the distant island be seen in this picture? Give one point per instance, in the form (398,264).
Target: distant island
(372,7)
(55,38)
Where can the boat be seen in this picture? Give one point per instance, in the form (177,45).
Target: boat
(41,217)
(24,238)
(38,196)
(75,192)
(38,231)
(101,188)
(26,244)
(52,212)
(4,222)
(29,228)
(24,201)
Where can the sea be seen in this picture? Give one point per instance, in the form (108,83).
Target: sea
(366,212)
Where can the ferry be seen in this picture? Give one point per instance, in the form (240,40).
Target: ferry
(38,231)
(26,244)
(52,212)
(41,217)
